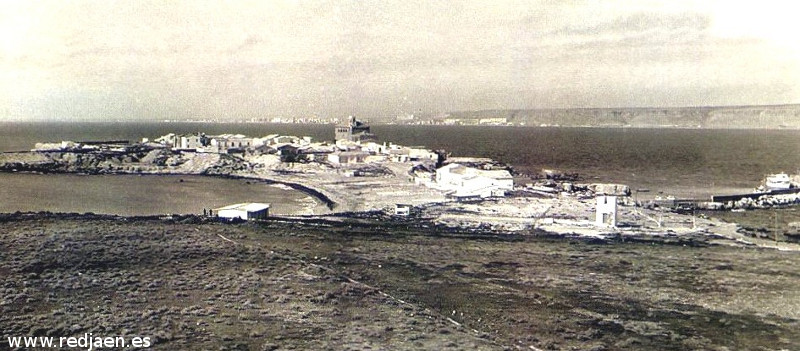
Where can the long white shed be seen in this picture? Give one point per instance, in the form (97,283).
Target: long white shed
(247,211)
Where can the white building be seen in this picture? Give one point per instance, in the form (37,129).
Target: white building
(225,143)
(190,142)
(422,154)
(345,157)
(402,210)
(276,139)
(247,211)
(182,141)
(495,121)
(375,148)
(170,140)
(606,211)
(463,181)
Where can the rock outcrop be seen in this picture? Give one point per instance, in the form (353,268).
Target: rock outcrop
(132,161)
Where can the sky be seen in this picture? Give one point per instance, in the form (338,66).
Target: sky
(153,60)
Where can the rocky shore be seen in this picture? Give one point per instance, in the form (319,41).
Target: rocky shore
(158,161)
(331,186)
(133,160)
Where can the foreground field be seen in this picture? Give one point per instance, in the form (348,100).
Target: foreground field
(355,285)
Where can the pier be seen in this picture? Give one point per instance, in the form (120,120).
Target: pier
(737,197)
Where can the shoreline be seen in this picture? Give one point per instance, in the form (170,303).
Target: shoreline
(316,194)
(334,192)
(371,218)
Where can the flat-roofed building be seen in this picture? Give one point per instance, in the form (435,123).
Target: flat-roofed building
(463,181)
(345,157)
(402,209)
(606,215)
(246,211)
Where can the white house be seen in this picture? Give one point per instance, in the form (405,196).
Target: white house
(373,147)
(190,142)
(170,140)
(345,157)
(463,181)
(606,211)
(225,143)
(247,210)
(420,154)
(405,154)
(402,210)
(276,139)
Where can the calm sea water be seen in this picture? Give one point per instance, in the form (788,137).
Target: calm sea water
(139,195)
(683,162)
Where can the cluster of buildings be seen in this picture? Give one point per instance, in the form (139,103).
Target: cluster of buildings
(493,121)
(354,144)
(106,145)
(223,143)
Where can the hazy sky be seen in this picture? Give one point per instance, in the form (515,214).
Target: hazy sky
(162,59)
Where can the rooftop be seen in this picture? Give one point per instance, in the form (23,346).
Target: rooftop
(245,206)
(470,172)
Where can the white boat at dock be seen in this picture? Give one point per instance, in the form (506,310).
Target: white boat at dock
(779,181)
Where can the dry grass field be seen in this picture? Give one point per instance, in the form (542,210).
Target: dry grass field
(363,285)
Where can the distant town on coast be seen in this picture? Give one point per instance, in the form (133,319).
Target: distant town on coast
(706,117)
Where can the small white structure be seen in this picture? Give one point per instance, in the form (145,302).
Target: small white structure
(246,211)
(374,148)
(402,209)
(463,181)
(276,139)
(495,121)
(606,211)
(170,140)
(405,154)
(190,142)
(345,157)
(420,154)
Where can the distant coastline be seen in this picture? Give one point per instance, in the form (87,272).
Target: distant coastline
(722,117)
(757,117)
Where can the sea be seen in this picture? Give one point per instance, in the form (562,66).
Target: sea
(686,163)
(142,195)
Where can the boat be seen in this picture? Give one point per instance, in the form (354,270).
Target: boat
(779,181)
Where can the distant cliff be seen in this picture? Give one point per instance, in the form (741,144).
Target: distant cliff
(744,117)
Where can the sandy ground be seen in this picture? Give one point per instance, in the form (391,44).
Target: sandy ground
(350,193)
